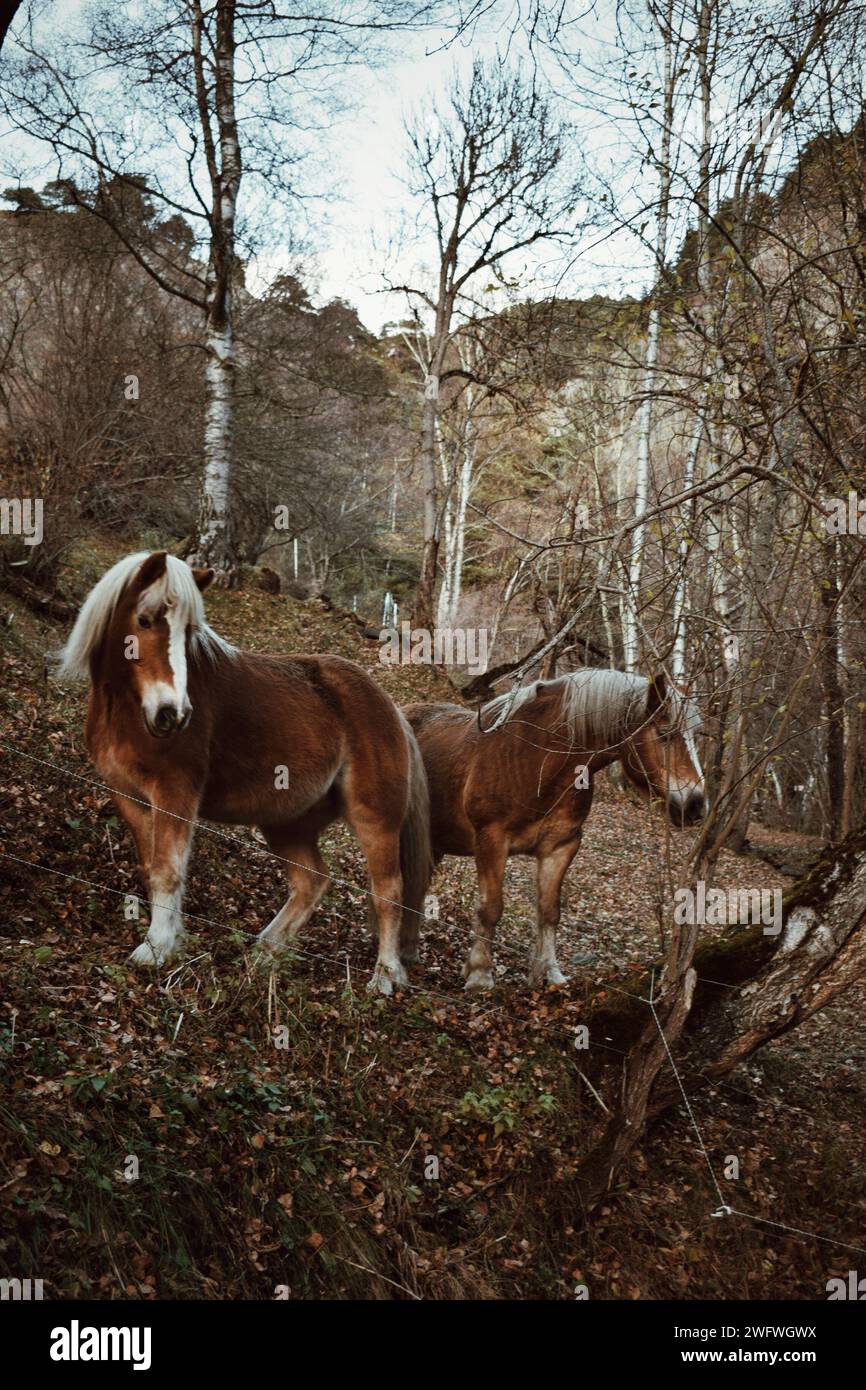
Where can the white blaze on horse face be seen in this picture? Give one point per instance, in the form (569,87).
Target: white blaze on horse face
(159,693)
(693,754)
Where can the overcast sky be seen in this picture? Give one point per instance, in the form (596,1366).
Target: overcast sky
(367,155)
(360,156)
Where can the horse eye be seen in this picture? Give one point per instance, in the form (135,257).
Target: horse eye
(143,621)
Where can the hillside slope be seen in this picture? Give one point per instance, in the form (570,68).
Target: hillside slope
(228,1132)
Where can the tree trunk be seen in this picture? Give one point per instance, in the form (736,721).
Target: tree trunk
(631,604)
(214,544)
(7,14)
(422,615)
(726,1001)
(821,952)
(831,694)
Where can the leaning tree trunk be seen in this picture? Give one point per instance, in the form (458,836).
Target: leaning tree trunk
(821,951)
(717,1005)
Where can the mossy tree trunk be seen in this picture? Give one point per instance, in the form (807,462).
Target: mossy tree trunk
(714,1007)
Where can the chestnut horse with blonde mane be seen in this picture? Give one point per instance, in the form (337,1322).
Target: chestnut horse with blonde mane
(183,725)
(518,779)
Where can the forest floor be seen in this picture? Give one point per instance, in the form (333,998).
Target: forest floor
(158,1139)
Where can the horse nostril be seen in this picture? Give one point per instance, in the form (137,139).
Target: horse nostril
(165,719)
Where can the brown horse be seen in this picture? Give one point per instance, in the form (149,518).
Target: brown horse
(525,786)
(191,727)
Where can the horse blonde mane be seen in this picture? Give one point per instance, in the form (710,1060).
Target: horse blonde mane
(599,707)
(176,586)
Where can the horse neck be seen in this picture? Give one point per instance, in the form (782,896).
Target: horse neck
(605,751)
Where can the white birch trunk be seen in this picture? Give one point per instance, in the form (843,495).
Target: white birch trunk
(215,505)
(464,487)
(631,603)
(454,528)
(214,543)
(678,654)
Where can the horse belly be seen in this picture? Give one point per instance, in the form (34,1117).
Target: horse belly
(269,793)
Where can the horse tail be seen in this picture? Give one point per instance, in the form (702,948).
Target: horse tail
(416,851)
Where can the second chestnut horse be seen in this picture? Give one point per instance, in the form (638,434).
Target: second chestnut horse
(526,785)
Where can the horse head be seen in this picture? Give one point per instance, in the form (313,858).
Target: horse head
(134,633)
(660,759)
(159,610)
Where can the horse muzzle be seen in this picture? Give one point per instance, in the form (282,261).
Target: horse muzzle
(167,721)
(686,809)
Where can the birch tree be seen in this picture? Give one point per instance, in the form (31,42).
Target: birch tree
(662,155)
(154,100)
(490,170)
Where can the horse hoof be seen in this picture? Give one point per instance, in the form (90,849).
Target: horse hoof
(478,980)
(547,977)
(147,957)
(264,957)
(385,977)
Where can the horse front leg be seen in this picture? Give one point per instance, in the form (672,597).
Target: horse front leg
(551,870)
(491,855)
(165,869)
(138,817)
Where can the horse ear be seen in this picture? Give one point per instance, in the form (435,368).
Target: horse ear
(203,578)
(152,569)
(657,692)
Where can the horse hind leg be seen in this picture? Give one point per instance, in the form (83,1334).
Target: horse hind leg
(551,870)
(380,842)
(491,854)
(308,878)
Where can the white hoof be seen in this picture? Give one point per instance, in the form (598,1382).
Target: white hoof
(270,945)
(150,957)
(479,979)
(547,975)
(385,978)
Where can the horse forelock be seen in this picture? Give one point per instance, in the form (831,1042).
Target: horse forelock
(175,586)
